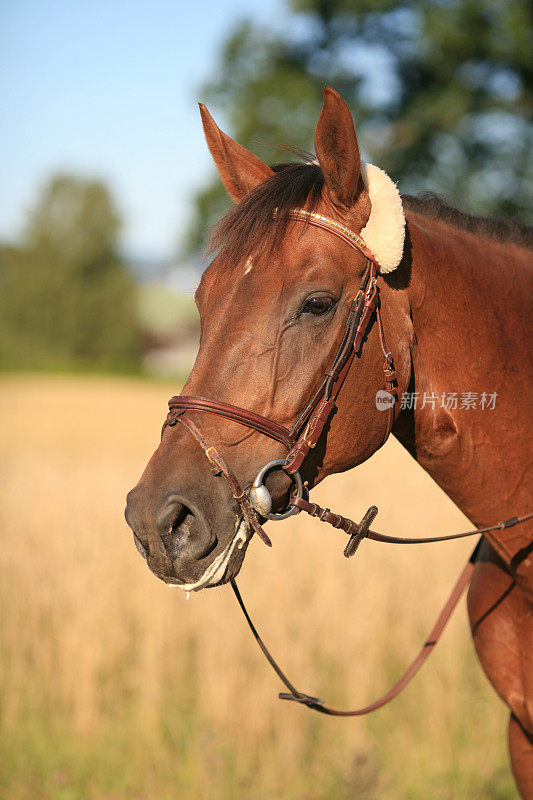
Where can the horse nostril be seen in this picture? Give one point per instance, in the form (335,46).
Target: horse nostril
(181,519)
(185,531)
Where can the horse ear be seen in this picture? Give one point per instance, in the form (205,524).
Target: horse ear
(337,150)
(239,169)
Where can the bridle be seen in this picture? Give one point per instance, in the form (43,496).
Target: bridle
(305,432)
(302,437)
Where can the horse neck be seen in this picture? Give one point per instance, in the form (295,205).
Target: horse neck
(469,299)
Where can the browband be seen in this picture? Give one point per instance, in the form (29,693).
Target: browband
(340,230)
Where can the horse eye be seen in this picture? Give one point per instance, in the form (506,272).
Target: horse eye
(317,306)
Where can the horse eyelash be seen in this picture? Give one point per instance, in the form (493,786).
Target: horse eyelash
(312,297)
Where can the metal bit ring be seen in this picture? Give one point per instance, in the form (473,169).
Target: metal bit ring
(260,490)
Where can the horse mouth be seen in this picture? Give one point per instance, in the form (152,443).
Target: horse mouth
(226,564)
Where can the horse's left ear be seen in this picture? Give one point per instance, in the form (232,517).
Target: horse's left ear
(337,150)
(240,170)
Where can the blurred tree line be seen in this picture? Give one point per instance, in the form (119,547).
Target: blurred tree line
(441,92)
(442,96)
(66,299)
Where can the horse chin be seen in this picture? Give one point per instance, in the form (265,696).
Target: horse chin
(224,566)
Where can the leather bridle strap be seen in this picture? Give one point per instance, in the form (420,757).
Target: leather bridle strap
(317,705)
(358,532)
(357,325)
(219,467)
(463,581)
(240,415)
(337,228)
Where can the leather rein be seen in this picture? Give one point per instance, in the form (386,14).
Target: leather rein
(301,438)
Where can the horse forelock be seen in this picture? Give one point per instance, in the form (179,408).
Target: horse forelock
(261,220)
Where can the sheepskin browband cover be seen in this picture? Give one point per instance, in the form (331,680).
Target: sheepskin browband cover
(384,232)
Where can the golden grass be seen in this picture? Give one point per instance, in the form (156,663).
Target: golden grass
(114,686)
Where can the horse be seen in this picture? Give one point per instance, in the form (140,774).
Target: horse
(275,304)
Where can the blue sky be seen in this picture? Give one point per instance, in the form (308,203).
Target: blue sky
(110,89)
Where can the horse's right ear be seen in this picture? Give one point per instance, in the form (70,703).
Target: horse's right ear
(239,169)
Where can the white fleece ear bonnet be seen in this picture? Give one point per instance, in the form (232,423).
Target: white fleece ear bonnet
(384,232)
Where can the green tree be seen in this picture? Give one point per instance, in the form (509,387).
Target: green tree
(65,296)
(441,92)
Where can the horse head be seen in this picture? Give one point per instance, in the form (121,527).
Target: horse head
(273,306)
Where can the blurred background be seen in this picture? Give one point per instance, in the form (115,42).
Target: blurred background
(111,686)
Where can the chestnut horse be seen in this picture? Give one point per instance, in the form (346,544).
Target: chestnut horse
(455,294)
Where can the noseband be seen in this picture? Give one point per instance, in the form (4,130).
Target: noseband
(301,438)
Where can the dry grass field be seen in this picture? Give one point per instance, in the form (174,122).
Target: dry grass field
(114,687)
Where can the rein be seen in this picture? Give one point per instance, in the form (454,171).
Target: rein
(301,438)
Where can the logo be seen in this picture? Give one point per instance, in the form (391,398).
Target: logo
(384,400)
